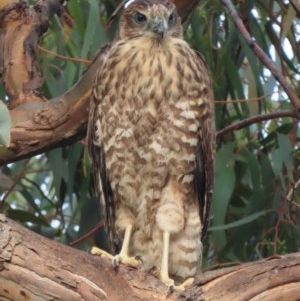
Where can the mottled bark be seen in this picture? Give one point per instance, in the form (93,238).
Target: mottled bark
(41,126)
(35,268)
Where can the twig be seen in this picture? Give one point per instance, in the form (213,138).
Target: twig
(276,228)
(288,198)
(255,119)
(267,62)
(67,58)
(16,181)
(87,235)
(290,194)
(228,101)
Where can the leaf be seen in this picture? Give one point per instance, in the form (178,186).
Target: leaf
(24,216)
(6,182)
(267,176)
(286,149)
(94,32)
(74,155)
(254,106)
(59,169)
(254,169)
(30,200)
(240,222)
(289,18)
(5,124)
(224,186)
(254,63)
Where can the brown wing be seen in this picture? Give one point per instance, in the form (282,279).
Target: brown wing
(204,174)
(102,185)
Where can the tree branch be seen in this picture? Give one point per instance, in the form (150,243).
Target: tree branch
(36,268)
(41,126)
(255,119)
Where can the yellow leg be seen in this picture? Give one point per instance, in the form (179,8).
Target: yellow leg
(164,271)
(123,255)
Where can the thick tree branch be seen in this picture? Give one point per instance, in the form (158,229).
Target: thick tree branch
(41,126)
(37,124)
(36,268)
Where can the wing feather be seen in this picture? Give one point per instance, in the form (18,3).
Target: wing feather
(102,184)
(204,173)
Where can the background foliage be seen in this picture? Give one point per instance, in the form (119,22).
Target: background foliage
(256,211)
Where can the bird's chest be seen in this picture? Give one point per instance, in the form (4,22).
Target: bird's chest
(146,114)
(133,103)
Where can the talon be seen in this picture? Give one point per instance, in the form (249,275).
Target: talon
(183,286)
(154,271)
(115,263)
(122,258)
(170,290)
(140,261)
(139,258)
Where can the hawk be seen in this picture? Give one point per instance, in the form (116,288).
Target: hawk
(151,142)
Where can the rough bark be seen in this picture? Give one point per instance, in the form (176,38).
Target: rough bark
(35,268)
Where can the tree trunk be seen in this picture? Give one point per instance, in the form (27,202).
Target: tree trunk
(35,268)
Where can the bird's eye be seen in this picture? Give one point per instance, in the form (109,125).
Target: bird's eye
(140,18)
(172,18)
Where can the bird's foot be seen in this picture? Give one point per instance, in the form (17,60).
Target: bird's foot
(169,282)
(100,252)
(133,261)
(120,258)
(184,285)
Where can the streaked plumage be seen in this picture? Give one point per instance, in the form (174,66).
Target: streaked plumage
(151,138)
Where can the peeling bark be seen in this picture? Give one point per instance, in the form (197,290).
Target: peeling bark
(41,126)
(33,267)
(37,124)
(21,28)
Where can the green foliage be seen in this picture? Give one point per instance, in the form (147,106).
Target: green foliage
(255,211)
(256,167)
(4,125)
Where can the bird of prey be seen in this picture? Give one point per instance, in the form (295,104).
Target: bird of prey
(151,143)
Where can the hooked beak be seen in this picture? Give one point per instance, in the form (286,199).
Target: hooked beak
(159,26)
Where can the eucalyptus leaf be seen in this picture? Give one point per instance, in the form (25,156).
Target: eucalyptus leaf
(242,221)
(5,125)
(24,216)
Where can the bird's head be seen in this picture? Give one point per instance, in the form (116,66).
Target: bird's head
(154,18)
